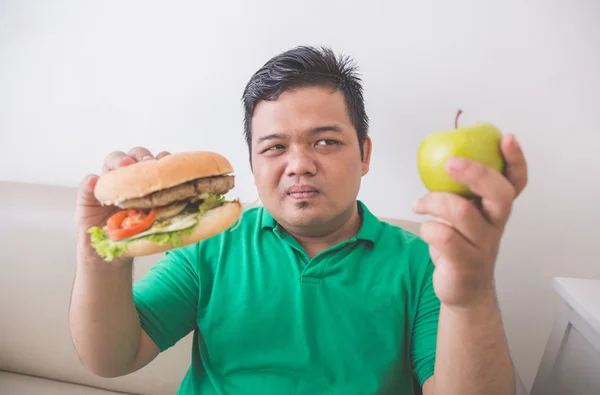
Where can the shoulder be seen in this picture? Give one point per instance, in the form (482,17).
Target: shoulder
(410,251)
(253,214)
(398,237)
(414,259)
(403,238)
(249,222)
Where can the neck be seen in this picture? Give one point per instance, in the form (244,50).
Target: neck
(339,229)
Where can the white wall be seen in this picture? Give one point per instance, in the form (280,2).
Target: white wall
(79,79)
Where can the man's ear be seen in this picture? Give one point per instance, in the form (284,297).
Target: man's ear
(366,161)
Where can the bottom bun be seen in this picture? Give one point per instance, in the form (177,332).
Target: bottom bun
(212,222)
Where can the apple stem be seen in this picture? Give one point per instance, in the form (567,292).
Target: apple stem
(456,119)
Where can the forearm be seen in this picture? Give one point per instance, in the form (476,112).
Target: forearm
(472,355)
(104,323)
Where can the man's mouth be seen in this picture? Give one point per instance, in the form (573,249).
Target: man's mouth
(302,192)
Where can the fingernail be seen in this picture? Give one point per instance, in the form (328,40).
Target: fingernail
(91,181)
(126,161)
(147,157)
(456,164)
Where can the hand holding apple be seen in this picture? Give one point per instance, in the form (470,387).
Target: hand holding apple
(480,142)
(464,239)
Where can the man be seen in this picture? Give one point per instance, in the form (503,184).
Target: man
(312,294)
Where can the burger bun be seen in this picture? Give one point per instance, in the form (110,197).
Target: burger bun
(148,176)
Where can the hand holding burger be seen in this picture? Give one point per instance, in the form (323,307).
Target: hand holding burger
(142,205)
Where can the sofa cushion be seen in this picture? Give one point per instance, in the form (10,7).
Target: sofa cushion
(14,383)
(37,269)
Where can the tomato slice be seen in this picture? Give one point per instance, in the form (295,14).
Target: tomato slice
(128,223)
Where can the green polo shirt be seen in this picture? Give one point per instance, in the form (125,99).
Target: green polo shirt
(358,318)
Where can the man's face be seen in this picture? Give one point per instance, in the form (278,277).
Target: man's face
(306,159)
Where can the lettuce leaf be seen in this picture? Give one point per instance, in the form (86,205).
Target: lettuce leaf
(110,249)
(212,201)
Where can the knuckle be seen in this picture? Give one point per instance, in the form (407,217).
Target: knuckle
(508,193)
(115,154)
(437,232)
(113,157)
(85,181)
(445,236)
(139,151)
(113,160)
(462,210)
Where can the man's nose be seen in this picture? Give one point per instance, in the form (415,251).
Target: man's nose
(301,163)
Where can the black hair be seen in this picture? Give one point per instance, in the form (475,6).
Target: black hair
(305,66)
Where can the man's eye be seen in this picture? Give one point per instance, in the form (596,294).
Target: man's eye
(274,148)
(327,142)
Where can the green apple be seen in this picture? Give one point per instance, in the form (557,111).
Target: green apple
(479,142)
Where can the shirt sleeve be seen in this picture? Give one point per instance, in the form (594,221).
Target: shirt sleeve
(425,328)
(166,297)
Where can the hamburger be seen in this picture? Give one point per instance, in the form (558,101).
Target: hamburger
(165,203)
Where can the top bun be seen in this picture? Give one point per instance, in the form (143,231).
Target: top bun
(148,176)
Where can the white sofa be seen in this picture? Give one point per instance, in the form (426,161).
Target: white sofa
(37,267)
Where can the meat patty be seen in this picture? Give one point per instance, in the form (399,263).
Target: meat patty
(218,185)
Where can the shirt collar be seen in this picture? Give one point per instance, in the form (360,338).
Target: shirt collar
(267,221)
(369,230)
(371,227)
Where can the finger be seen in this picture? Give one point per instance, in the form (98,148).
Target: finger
(447,242)
(140,153)
(117,159)
(494,189)
(456,211)
(85,192)
(162,154)
(516,166)
(85,196)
